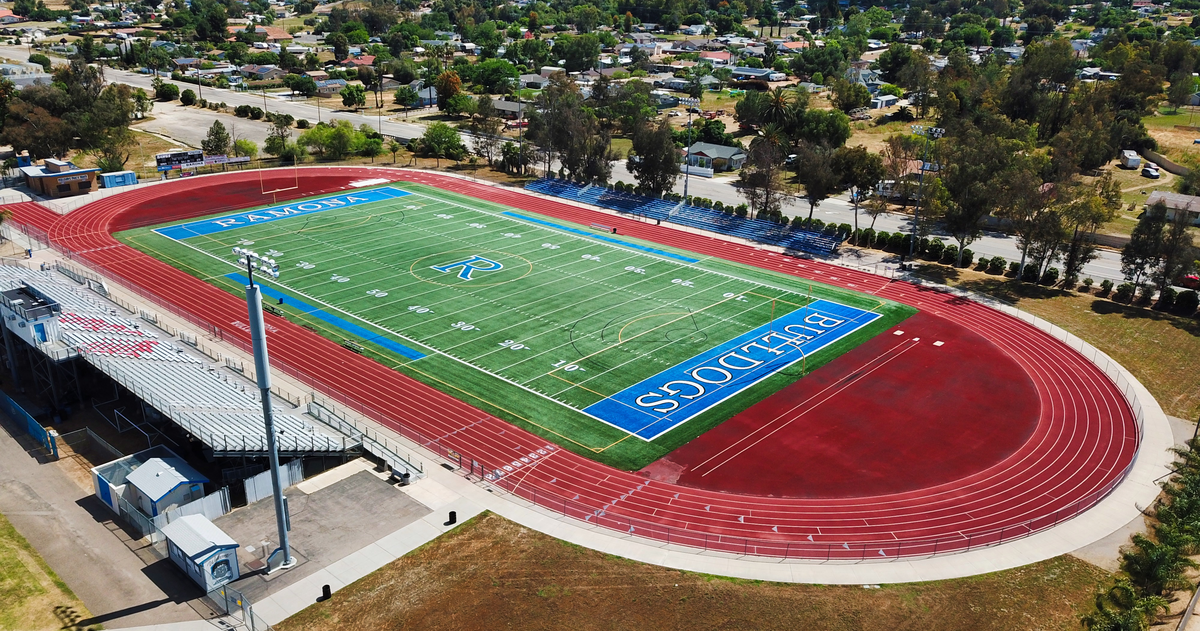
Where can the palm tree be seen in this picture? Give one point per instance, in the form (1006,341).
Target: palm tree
(777,105)
(1121,609)
(1155,567)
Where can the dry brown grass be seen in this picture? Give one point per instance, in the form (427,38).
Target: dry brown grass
(491,573)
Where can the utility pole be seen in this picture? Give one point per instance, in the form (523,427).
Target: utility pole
(687,162)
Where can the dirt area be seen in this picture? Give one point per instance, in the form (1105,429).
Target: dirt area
(32,597)
(1158,348)
(491,573)
(1176,144)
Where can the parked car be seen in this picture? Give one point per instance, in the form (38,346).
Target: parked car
(1150,171)
(674,113)
(695,110)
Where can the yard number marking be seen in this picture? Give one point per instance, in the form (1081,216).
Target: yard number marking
(550,246)
(339,278)
(736,297)
(463,326)
(476,225)
(516,346)
(512,235)
(377,293)
(569,367)
(635,270)
(305,265)
(444,216)
(590,257)
(420,309)
(682,283)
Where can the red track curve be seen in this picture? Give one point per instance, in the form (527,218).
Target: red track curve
(1084,443)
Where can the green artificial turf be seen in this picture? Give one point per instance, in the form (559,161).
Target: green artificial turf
(569,320)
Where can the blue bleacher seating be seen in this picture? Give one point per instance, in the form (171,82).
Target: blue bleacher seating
(757,230)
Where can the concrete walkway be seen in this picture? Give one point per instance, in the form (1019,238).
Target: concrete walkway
(74,533)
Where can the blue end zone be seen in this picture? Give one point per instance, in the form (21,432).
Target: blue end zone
(263,215)
(329,318)
(584,233)
(668,399)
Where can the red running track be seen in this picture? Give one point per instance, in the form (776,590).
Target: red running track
(1084,441)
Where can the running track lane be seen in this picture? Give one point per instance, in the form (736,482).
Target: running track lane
(1085,439)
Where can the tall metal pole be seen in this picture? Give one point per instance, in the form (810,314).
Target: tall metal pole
(687,162)
(282,557)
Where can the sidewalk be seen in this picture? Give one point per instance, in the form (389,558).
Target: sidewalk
(74,533)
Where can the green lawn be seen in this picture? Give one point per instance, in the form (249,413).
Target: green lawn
(572,318)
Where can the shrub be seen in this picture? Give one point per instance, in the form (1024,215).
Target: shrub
(1030,273)
(1014,268)
(256,113)
(967,257)
(1050,276)
(923,245)
(882,239)
(719,205)
(188,97)
(742,210)
(950,254)
(203,103)
(1187,302)
(1105,287)
(1166,299)
(996,265)
(936,248)
(896,242)
(844,229)
(1087,285)
(982,264)
(817,225)
(866,237)
(830,230)
(1124,292)
(1146,295)
(242,110)
(798,222)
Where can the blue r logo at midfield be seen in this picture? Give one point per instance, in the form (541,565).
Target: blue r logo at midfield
(473,264)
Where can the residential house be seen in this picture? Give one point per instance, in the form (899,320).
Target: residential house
(794,47)
(532,81)
(256,72)
(317,75)
(1176,203)
(865,76)
(716,157)
(186,63)
(764,74)
(884,101)
(695,29)
(362,61)
(1096,74)
(510,110)
(272,34)
(8,17)
(168,47)
(329,87)
(717,57)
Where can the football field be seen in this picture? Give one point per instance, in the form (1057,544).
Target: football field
(612,347)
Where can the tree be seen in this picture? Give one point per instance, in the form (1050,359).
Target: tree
(859,171)
(188,97)
(115,153)
(761,178)
(578,52)
(394,146)
(849,96)
(829,128)
(1121,608)
(1155,567)
(245,148)
(340,45)
(1178,253)
(969,164)
(42,60)
(1183,85)
(441,141)
(217,142)
(407,97)
(460,105)
(302,84)
(142,103)
(1141,257)
(495,75)
(277,138)
(814,170)
(448,84)
(165,91)
(354,96)
(654,158)
(370,148)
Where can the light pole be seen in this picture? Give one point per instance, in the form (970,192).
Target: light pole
(935,132)
(687,162)
(281,557)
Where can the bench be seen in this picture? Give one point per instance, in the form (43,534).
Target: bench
(600,226)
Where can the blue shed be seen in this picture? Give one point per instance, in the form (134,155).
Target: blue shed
(118,178)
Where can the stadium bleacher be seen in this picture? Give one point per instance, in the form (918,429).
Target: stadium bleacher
(220,409)
(757,230)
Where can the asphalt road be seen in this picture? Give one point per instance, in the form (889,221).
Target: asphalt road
(190,124)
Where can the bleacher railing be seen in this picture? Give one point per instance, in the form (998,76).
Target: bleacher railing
(848,551)
(758,230)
